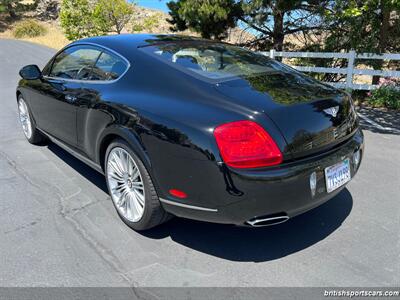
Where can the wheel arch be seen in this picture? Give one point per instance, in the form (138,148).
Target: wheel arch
(18,93)
(118,132)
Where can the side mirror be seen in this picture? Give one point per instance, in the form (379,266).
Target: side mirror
(30,72)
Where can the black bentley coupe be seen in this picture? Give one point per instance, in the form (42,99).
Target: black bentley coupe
(193,128)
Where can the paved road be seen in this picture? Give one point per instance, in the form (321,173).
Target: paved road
(58,226)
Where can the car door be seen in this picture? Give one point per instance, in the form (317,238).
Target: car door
(56,104)
(100,86)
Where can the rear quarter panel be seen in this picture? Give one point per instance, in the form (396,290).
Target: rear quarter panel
(169,118)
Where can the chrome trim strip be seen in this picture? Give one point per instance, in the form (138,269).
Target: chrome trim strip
(101,49)
(255,222)
(187,206)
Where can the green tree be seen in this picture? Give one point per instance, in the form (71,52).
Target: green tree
(10,6)
(365,26)
(78,20)
(112,16)
(269,20)
(273,20)
(211,18)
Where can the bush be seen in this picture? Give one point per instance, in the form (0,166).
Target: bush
(85,18)
(77,19)
(28,28)
(137,27)
(112,16)
(387,95)
(151,23)
(148,25)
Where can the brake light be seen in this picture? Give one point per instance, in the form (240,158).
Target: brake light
(178,193)
(245,144)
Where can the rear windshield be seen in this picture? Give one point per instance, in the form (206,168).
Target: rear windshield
(213,61)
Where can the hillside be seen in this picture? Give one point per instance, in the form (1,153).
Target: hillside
(148,20)
(144,20)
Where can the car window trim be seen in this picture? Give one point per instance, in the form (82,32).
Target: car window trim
(101,49)
(97,60)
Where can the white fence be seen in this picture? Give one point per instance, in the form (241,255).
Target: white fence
(350,71)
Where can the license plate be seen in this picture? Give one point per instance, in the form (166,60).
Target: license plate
(337,175)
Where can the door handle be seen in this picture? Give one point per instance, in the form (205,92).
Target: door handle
(70,98)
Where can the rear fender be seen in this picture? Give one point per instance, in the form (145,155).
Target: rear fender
(117,131)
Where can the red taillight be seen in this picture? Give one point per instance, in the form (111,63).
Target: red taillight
(245,144)
(178,193)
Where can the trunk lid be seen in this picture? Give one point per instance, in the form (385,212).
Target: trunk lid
(312,117)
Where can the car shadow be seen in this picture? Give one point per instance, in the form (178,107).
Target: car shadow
(240,243)
(262,243)
(83,169)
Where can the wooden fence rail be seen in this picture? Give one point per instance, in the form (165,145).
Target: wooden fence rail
(350,71)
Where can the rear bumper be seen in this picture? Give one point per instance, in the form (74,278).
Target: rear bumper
(283,190)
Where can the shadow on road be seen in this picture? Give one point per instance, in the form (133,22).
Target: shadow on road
(389,119)
(240,243)
(259,244)
(86,171)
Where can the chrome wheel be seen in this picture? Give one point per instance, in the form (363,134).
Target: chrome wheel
(25,118)
(125,184)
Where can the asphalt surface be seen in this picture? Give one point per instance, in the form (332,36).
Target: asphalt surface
(58,226)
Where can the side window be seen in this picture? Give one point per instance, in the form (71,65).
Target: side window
(75,62)
(108,67)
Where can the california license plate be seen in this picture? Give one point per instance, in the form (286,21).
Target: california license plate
(337,175)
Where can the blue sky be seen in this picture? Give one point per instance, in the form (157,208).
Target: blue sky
(157,4)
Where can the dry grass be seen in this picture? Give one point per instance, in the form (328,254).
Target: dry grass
(54,37)
(145,20)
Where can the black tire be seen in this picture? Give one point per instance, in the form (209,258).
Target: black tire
(36,137)
(154,214)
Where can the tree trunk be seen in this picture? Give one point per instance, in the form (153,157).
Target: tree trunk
(11,11)
(383,36)
(278,34)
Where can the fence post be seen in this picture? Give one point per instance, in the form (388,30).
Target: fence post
(272,53)
(350,69)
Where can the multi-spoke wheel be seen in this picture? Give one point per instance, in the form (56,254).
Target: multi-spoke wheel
(126,185)
(28,126)
(131,188)
(24,118)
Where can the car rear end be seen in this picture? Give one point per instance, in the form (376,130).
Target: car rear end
(299,146)
(277,193)
(323,151)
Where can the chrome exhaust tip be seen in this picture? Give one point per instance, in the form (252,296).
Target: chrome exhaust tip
(268,220)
